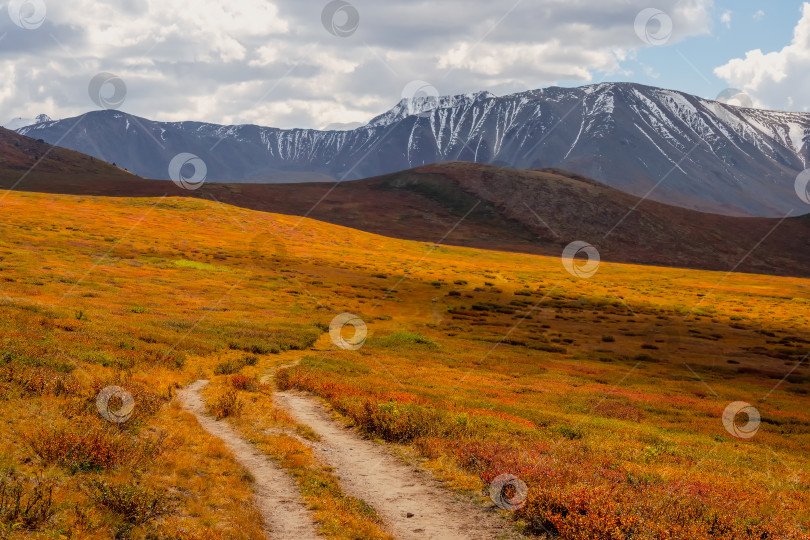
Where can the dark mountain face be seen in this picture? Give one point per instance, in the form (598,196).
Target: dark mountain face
(669,146)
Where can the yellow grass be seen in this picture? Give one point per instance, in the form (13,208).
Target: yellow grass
(548,379)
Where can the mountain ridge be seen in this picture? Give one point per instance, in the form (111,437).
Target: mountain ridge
(670,146)
(462,204)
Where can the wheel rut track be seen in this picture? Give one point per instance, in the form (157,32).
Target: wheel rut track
(277,496)
(412,504)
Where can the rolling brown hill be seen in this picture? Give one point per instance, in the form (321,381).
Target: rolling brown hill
(464,204)
(24,159)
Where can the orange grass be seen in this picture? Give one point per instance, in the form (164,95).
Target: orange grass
(509,373)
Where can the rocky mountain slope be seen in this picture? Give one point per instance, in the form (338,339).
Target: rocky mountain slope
(464,204)
(670,146)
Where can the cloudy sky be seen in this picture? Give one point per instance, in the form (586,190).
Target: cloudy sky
(312,63)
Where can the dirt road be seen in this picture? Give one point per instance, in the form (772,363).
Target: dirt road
(412,504)
(278,498)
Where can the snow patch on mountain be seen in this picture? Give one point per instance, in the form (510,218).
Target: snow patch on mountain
(797,135)
(633,137)
(19,123)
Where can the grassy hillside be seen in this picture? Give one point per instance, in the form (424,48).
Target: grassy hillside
(18,154)
(463,204)
(605,395)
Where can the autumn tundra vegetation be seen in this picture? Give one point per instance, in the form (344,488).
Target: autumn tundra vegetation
(605,396)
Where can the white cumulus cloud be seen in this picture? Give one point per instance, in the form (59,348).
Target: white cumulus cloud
(777,80)
(725,18)
(273,62)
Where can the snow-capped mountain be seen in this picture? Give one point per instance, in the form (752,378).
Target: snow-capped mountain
(343,126)
(667,145)
(19,122)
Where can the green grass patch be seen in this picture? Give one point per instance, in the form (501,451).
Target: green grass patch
(406,339)
(196,265)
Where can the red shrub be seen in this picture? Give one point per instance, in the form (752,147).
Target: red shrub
(243,382)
